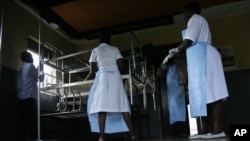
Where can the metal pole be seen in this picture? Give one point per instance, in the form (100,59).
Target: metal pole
(201,124)
(137,41)
(1,31)
(133,55)
(38,93)
(130,83)
(70,55)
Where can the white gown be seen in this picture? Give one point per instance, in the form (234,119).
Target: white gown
(206,80)
(107,93)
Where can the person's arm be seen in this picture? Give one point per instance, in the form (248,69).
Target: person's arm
(184,45)
(93,69)
(119,61)
(93,65)
(192,34)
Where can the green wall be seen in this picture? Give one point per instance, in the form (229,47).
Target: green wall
(18,24)
(233,31)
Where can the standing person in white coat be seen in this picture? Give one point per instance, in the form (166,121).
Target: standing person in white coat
(206,80)
(28,96)
(108,106)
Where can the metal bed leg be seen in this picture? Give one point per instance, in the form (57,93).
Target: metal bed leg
(80,98)
(66,102)
(74,100)
(60,101)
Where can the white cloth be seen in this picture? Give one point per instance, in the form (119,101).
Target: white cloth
(107,94)
(198,30)
(205,71)
(28,81)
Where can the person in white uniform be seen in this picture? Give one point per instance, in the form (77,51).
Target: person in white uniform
(206,80)
(27,96)
(108,107)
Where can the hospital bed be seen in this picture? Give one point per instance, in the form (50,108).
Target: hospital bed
(72,92)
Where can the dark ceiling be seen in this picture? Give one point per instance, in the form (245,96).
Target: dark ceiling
(83,19)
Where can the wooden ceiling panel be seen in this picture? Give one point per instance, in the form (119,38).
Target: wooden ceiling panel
(81,19)
(96,14)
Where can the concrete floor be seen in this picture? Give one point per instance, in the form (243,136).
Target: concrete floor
(167,139)
(186,139)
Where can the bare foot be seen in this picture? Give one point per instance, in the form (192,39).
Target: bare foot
(101,139)
(133,138)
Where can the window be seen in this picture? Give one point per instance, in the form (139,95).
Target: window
(49,72)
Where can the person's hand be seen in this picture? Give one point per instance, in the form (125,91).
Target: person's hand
(173,51)
(41,77)
(181,90)
(165,60)
(168,57)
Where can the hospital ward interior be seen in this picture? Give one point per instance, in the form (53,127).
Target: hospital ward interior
(60,35)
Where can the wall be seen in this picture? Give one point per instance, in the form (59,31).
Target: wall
(157,36)
(234,31)
(18,23)
(236,109)
(17,28)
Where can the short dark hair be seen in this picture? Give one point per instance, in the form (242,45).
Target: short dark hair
(26,57)
(105,36)
(193,6)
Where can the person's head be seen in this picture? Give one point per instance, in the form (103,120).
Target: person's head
(190,9)
(26,57)
(105,36)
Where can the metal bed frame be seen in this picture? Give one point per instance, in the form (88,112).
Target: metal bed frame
(137,81)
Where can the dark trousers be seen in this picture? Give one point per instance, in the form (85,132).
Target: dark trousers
(28,114)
